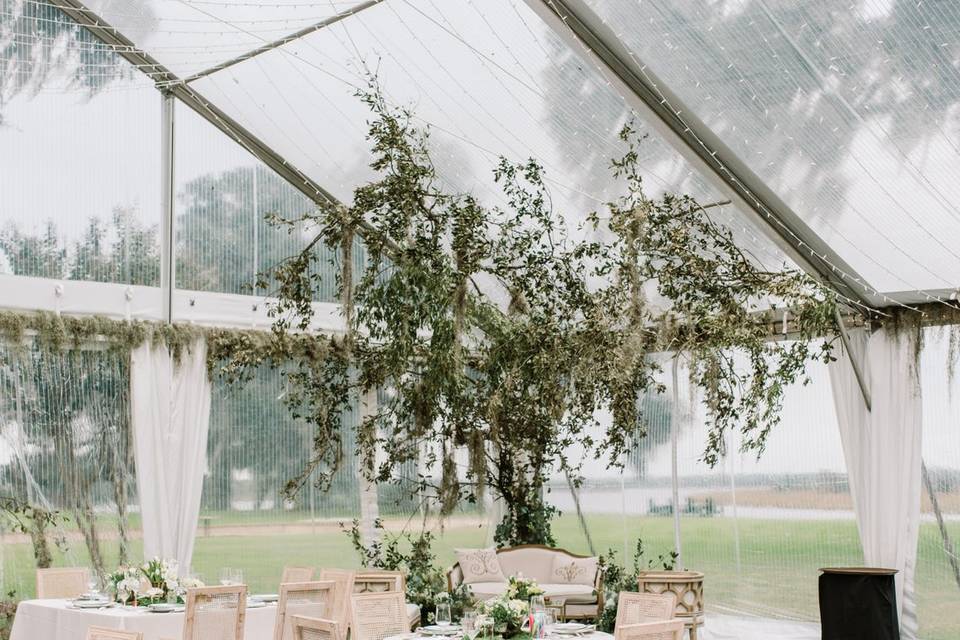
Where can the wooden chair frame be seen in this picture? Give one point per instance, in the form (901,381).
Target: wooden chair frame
(650,630)
(105,633)
(292,588)
(297,574)
(194,594)
(395,580)
(303,622)
(344,580)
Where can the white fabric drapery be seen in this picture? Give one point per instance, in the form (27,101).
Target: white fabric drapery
(882,447)
(170,415)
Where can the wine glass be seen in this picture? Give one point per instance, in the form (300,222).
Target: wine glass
(537,603)
(469,623)
(93,586)
(444,616)
(227,576)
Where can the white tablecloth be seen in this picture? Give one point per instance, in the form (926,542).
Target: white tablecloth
(596,635)
(54,620)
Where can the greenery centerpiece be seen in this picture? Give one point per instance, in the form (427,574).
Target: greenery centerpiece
(520,588)
(504,614)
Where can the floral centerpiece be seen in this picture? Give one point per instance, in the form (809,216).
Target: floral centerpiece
(520,588)
(153,582)
(506,615)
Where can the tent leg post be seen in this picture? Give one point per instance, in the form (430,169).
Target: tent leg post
(948,547)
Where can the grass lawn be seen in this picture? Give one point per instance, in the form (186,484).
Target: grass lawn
(776,574)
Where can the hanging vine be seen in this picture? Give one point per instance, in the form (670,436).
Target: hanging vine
(506,331)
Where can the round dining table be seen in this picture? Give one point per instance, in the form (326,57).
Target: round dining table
(59,620)
(420,635)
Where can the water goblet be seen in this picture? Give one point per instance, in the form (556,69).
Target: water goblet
(443,615)
(469,623)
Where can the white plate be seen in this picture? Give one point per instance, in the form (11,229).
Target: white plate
(162,608)
(255,604)
(571,628)
(265,597)
(91,604)
(440,629)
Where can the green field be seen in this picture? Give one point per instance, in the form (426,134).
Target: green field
(777,572)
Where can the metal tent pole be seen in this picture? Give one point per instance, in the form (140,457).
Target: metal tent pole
(167,201)
(675,484)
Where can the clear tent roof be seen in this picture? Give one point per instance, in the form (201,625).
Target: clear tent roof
(857,135)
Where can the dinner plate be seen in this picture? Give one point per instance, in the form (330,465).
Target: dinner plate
(162,607)
(92,604)
(255,604)
(570,628)
(265,597)
(440,629)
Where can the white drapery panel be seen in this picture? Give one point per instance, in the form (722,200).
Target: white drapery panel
(882,448)
(170,415)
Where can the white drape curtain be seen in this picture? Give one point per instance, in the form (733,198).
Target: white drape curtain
(170,414)
(882,447)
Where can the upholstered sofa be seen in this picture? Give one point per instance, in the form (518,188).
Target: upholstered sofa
(580,595)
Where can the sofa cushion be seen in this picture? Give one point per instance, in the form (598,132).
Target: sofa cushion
(530,562)
(479,565)
(567,570)
(569,592)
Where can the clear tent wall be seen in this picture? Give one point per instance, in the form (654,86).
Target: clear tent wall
(83,211)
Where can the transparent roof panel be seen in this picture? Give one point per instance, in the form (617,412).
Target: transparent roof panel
(487,78)
(79,154)
(848,110)
(189,36)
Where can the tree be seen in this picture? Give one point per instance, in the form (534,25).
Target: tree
(500,334)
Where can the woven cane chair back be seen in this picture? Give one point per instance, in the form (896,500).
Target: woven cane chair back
(64,583)
(215,613)
(374,616)
(670,630)
(634,608)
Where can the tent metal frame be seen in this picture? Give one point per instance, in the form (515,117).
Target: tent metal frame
(579,26)
(172,86)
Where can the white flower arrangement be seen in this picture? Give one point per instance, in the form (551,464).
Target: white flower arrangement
(154,581)
(504,613)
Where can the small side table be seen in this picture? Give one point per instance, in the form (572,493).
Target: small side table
(858,603)
(686,586)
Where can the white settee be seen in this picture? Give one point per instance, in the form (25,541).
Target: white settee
(580,601)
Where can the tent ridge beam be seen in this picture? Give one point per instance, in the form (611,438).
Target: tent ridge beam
(577,24)
(282,41)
